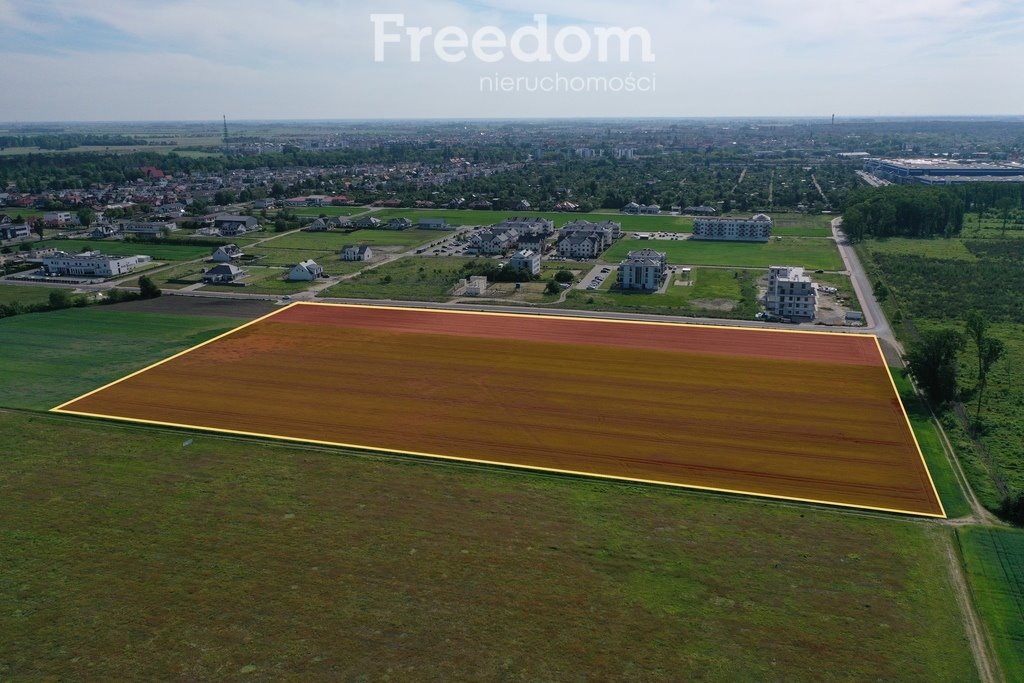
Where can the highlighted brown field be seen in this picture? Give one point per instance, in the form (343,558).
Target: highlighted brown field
(806,416)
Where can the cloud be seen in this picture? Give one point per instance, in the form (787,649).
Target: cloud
(314,58)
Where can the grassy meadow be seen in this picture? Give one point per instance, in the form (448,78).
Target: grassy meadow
(128,555)
(813,254)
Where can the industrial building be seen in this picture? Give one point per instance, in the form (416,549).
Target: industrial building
(91,264)
(942,171)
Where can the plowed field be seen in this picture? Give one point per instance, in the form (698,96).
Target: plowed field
(793,415)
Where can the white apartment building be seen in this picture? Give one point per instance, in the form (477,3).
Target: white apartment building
(791,293)
(756,229)
(525,260)
(91,264)
(643,270)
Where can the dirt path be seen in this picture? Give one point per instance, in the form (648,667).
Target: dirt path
(988,665)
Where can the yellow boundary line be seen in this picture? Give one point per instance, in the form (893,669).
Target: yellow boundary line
(62,408)
(906,418)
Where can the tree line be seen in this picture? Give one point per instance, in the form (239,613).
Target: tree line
(903,211)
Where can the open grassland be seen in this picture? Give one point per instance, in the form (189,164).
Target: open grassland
(261,280)
(10,294)
(936,291)
(805,416)
(52,357)
(176,277)
(329,211)
(796,224)
(336,240)
(814,254)
(419,278)
(129,557)
(712,292)
(159,252)
(994,560)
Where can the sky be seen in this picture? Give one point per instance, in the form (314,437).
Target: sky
(138,60)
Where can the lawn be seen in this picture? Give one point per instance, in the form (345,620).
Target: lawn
(272,256)
(10,294)
(159,252)
(714,292)
(129,556)
(177,277)
(417,278)
(49,358)
(261,280)
(938,248)
(994,560)
(813,254)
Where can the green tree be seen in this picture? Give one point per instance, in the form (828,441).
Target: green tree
(553,287)
(564,277)
(60,298)
(932,360)
(86,216)
(147,288)
(989,349)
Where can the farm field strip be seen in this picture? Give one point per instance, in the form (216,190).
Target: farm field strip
(795,415)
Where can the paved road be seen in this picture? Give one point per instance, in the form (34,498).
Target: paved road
(875,319)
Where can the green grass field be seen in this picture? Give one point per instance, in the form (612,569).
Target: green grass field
(468,217)
(994,560)
(417,278)
(177,277)
(128,556)
(952,249)
(814,254)
(336,240)
(159,252)
(950,492)
(53,357)
(715,293)
(262,280)
(26,295)
(329,210)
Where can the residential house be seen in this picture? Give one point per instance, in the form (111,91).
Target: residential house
(305,271)
(226,254)
(433,224)
(224,273)
(55,219)
(355,252)
(367,223)
(233,226)
(398,224)
(643,270)
(14,231)
(102,231)
(700,211)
